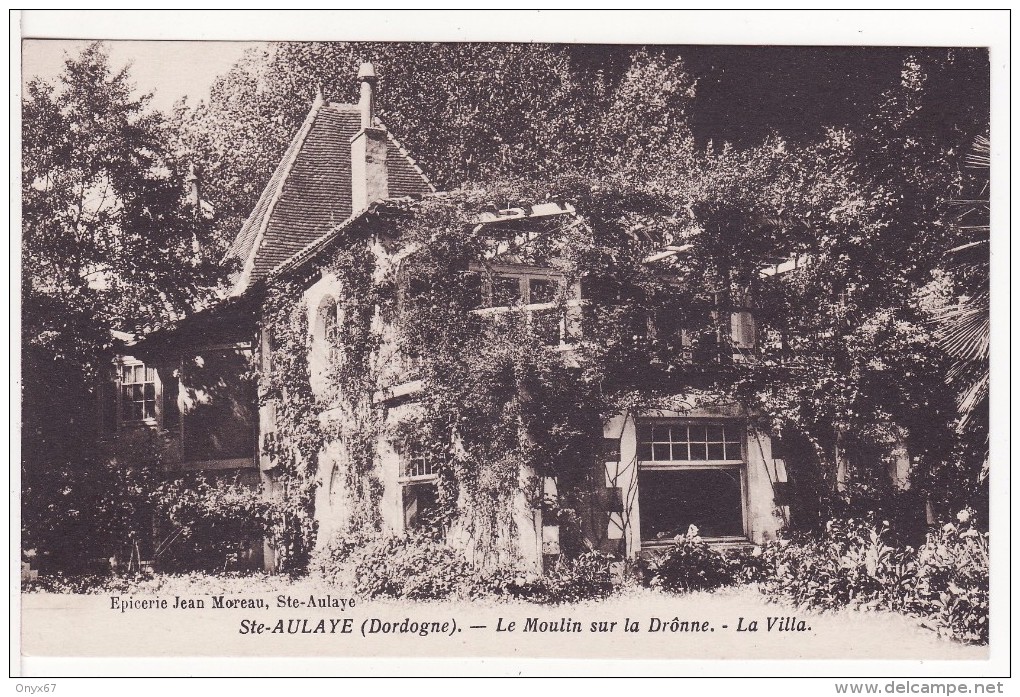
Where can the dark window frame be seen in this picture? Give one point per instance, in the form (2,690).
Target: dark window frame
(730,432)
(149,402)
(544,316)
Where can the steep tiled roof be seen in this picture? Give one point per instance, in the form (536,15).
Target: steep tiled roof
(310,191)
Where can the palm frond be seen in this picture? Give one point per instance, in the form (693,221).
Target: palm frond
(963,329)
(980,155)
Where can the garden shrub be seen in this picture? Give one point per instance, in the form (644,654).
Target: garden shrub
(747,565)
(210,525)
(506,582)
(420,567)
(416,568)
(952,580)
(689,564)
(329,560)
(829,572)
(588,577)
(853,564)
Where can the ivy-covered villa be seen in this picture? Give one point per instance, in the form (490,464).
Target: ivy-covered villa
(498,368)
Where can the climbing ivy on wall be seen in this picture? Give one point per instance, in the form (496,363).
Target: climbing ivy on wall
(295,441)
(296,444)
(499,409)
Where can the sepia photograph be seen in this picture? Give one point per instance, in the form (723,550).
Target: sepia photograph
(512,349)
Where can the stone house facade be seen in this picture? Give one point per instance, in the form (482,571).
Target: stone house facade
(663,469)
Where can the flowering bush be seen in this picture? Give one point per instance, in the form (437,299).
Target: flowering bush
(944,582)
(845,567)
(690,565)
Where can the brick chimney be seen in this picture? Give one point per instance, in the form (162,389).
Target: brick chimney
(369,179)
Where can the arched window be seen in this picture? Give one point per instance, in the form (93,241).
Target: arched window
(325,343)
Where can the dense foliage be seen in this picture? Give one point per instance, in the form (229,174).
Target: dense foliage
(856,564)
(109,243)
(847,368)
(470,112)
(208,525)
(422,568)
(854,375)
(406,567)
(296,443)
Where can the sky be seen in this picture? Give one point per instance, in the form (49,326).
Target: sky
(744,92)
(168,69)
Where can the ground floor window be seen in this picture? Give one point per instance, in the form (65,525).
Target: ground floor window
(690,473)
(138,393)
(420,506)
(419,491)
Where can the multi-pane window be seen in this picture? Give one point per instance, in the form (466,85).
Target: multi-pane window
(690,473)
(137,393)
(533,289)
(506,289)
(541,290)
(679,442)
(419,493)
(417,466)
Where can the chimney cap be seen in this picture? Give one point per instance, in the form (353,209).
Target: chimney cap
(366,73)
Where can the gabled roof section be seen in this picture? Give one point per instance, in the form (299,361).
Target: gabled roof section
(310,191)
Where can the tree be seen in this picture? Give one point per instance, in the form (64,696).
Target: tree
(471,112)
(645,130)
(873,208)
(964,325)
(108,244)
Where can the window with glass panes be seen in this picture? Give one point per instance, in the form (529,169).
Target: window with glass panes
(690,474)
(416,466)
(506,288)
(519,289)
(684,442)
(418,489)
(137,392)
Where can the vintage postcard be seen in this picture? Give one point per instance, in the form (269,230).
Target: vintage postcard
(660,353)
